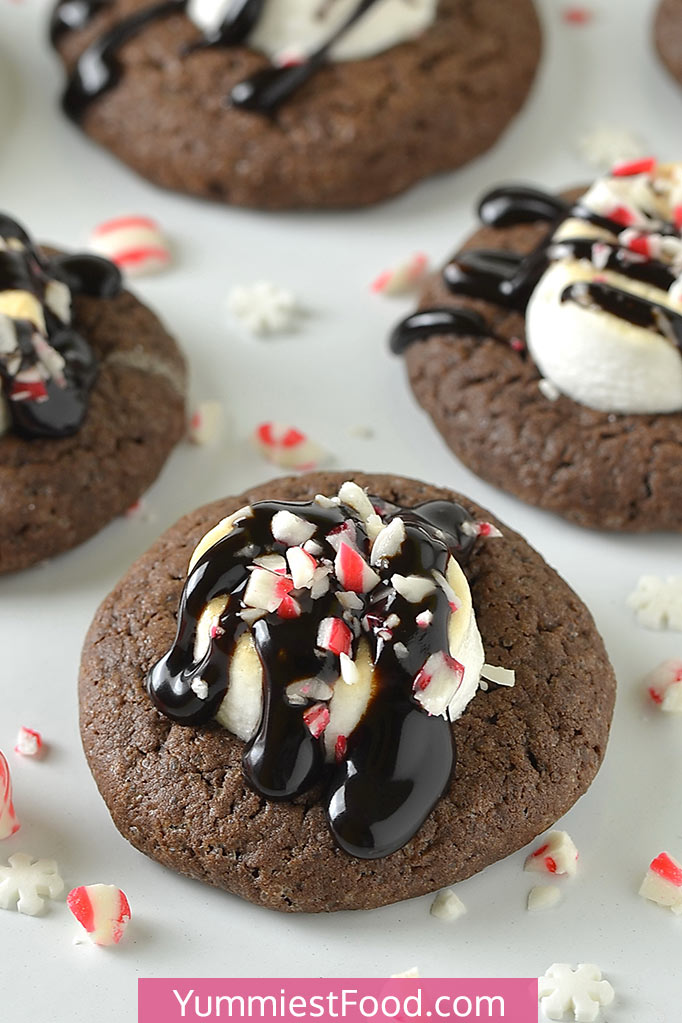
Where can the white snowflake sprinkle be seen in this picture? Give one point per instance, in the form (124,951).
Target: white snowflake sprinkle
(658,602)
(581,991)
(263,307)
(23,882)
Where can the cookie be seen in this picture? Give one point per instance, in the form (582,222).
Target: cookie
(668,35)
(246,103)
(154,714)
(549,351)
(91,399)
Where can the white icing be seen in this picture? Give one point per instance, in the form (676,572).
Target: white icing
(594,357)
(298,27)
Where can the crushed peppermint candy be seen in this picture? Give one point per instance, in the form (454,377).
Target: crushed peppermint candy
(264,307)
(658,602)
(102,910)
(135,244)
(576,15)
(410,974)
(543,896)
(206,423)
(447,906)
(29,743)
(604,146)
(9,822)
(664,686)
(662,883)
(548,390)
(288,447)
(26,883)
(403,278)
(557,855)
(499,676)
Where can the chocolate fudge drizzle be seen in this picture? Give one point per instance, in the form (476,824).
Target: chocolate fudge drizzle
(98,68)
(59,410)
(506,278)
(398,760)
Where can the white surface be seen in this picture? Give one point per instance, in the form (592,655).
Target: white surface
(332,376)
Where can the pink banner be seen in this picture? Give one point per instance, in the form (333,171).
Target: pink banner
(352,1000)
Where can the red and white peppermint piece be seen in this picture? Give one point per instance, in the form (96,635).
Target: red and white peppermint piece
(135,244)
(424,619)
(557,855)
(664,685)
(205,425)
(316,719)
(9,822)
(29,743)
(102,910)
(289,608)
(402,278)
(267,590)
(353,572)
(453,600)
(291,529)
(287,446)
(335,636)
(437,682)
(663,882)
(627,169)
(301,567)
(346,532)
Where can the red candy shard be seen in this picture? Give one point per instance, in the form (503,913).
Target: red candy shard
(352,570)
(576,15)
(647,165)
(666,867)
(9,823)
(290,439)
(621,215)
(316,719)
(340,748)
(102,910)
(677,214)
(289,608)
(550,863)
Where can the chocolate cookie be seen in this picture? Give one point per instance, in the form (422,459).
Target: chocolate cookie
(668,35)
(177,791)
(588,422)
(207,114)
(92,398)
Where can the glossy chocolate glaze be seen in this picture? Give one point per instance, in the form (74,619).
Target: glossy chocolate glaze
(59,410)
(98,68)
(398,761)
(506,278)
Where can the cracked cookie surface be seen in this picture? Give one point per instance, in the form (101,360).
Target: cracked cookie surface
(524,754)
(358,132)
(668,35)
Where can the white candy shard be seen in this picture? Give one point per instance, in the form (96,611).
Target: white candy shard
(264,307)
(580,991)
(501,676)
(200,688)
(389,541)
(413,588)
(663,882)
(402,278)
(658,602)
(291,529)
(273,563)
(543,896)
(321,582)
(407,974)
(437,682)
(102,910)
(135,244)
(350,601)
(299,693)
(557,855)
(664,685)
(301,567)
(548,390)
(266,590)
(334,635)
(349,670)
(453,600)
(447,906)
(424,619)
(354,497)
(24,881)
(206,423)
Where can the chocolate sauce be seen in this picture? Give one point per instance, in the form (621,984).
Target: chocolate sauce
(98,69)
(506,278)
(49,407)
(398,760)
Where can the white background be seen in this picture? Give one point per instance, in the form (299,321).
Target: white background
(330,377)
